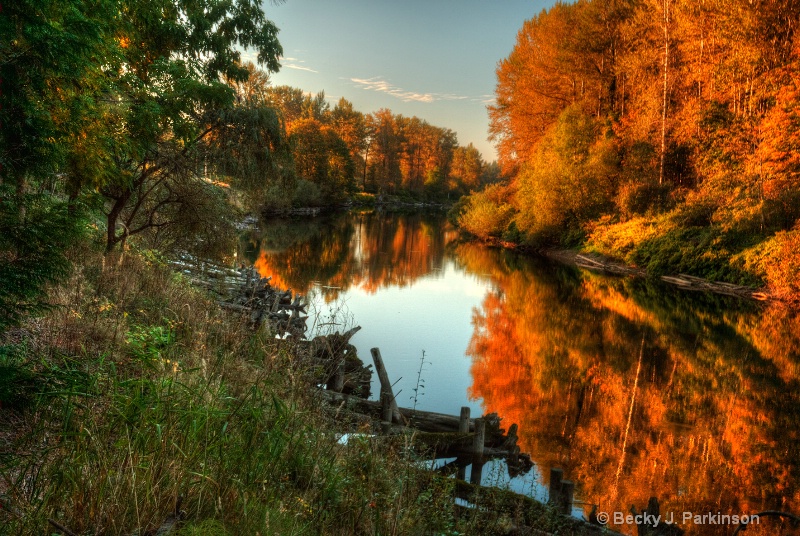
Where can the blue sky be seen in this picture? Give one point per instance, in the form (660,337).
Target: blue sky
(434,59)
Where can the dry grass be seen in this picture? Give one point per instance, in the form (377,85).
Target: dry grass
(137,389)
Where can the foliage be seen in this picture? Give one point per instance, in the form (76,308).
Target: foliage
(610,112)
(323,158)
(777,260)
(569,180)
(486,213)
(35,232)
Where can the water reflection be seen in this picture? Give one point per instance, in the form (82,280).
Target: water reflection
(369,250)
(635,389)
(639,391)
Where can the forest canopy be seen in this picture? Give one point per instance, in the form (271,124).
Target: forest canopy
(664,132)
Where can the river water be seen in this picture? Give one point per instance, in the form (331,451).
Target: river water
(634,388)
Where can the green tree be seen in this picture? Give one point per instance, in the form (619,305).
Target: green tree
(570,179)
(51,58)
(169,97)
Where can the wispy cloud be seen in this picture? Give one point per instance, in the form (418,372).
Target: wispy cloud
(484,99)
(295,63)
(376,83)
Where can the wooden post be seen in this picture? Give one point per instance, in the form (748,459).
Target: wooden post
(567,493)
(479,439)
(386,385)
(555,485)
(386,408)
(338,376)
(461,474)
(476,475)
(463,422)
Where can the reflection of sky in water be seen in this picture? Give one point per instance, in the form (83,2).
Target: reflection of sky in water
(433,313)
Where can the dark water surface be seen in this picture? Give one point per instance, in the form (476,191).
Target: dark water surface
(636,389)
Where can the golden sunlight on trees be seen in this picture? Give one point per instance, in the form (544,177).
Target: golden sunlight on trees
(668,110)
(569,179)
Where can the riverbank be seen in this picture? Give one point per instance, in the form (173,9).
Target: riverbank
(688,236)
(589,256)
(601,263)
(138,401)
(396,203)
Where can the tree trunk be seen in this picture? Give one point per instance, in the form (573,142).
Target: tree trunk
(664,95)
(111,224)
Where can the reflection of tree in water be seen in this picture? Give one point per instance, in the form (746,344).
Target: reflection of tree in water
(369,251)
(715,414)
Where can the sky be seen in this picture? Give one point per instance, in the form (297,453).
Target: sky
(434,59)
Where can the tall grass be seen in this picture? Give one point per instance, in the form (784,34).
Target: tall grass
(136,390)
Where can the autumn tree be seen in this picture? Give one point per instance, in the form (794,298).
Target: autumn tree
(289,101)
(322,157)
(351,126)
(383,166)
(466,169)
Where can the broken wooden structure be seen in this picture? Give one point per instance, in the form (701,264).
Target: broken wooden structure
(255,296)
(337,365)
(244,291)
(436,434)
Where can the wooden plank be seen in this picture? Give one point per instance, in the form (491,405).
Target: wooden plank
(428,421)
(386,385)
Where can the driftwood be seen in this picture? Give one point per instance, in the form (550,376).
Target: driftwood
(438,433)
(250,294)
(594,263)
(683,281)
(340,368)
(427,421)
(688,282)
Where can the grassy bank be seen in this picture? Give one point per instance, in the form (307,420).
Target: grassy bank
(135,390)
(683,240)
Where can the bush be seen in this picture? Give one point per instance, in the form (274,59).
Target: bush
(777,260)
(487,214)
(458,208)
(637,198)
(306,194)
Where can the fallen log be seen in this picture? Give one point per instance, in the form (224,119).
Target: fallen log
(427,421)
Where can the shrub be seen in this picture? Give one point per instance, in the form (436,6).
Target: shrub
(306,194)
(487,214)
(777,260)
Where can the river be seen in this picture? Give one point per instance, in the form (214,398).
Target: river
(634,388)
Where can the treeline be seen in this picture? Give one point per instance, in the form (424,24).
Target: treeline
(338,151)
(661,131)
